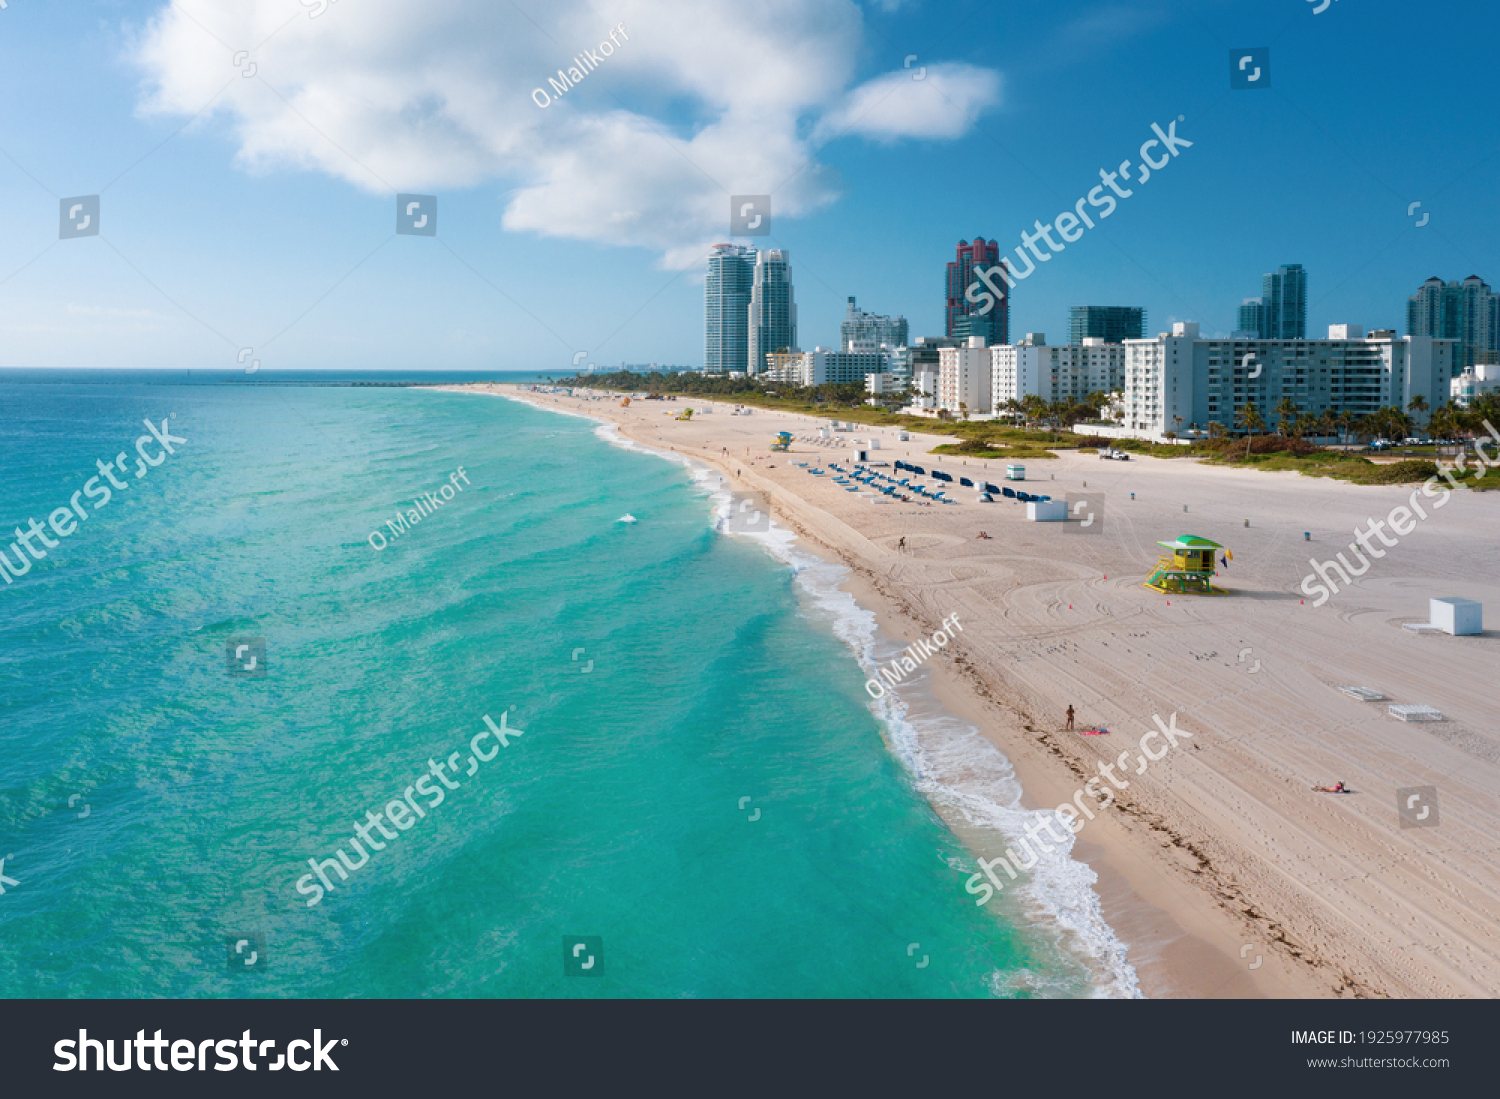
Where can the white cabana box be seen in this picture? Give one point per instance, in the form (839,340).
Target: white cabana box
(1047,511)
(1456,616)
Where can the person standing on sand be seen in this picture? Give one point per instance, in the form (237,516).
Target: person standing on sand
(901,545)
(1070,717)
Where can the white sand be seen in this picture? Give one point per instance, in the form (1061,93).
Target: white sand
(1221,845)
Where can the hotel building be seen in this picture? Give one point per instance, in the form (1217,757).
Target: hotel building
(1182,382)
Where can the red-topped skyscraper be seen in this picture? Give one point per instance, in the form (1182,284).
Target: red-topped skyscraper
(988,313)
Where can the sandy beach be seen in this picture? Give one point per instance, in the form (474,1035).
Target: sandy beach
(1221,869)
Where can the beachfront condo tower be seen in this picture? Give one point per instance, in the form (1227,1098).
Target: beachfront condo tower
(1110,323)
(1181,383)
(1464,311)
(1280,313)
(961,314)
(871,328)
(1252,319)
(726,309)
(773,309)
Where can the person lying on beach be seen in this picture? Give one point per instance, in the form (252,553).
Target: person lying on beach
(1337,789)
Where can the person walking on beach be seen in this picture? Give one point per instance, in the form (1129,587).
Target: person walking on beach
(901,545)
(1070,717)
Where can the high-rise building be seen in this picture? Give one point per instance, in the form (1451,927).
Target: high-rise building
(993,323)
(964,377)
(823,366)
(773,309)
(1071,373)
(1110,323)
(1252,319)
(1284,294)
(1467,312)
(1182,381)
(726,309)
(871,328)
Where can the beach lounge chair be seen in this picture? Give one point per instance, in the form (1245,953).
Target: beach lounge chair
(965,482)
(1008,492)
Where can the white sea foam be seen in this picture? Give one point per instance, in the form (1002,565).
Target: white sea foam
(959,771)
(965,777)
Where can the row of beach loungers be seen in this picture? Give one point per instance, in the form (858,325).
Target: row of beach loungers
(886,485)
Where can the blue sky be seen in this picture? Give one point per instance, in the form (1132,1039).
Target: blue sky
(266,220)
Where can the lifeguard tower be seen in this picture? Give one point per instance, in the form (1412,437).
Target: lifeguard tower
(783,441)
(1189,570)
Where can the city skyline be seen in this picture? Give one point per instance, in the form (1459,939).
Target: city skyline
(231,222)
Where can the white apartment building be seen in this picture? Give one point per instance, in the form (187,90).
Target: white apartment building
(1069,373)
(1474,382)
(1181,382)
(823,366)
(924,387)
(963,382)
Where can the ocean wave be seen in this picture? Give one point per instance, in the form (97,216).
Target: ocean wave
(964,776)
(959,772)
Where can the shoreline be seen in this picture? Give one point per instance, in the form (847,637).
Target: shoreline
(1031,907)
(1224,876)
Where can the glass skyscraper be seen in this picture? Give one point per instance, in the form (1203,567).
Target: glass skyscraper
(1110,323)
(773,309)
(993,325)
(1468,312)
(871,328)
(1284,295)
(1280,313)
(726,309)
(1252,317)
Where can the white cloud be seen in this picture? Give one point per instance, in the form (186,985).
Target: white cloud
(938,101)
(706,98)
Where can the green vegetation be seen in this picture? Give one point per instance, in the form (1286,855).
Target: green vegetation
(1034,428)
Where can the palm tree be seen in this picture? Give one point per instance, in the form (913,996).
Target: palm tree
(1286,409)
(1304,423)
(1346,420)
(1417,404)
(1249,417)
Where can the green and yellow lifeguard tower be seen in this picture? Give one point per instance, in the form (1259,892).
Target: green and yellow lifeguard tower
(1189,570)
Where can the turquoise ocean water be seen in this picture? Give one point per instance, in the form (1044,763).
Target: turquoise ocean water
(703,794)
